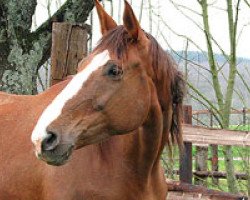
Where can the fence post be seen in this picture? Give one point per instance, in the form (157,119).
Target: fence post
(69,46)
(214,153)
(244,113)
(215,162)
(186,173)
(201,163)
(211,118)
(201,158)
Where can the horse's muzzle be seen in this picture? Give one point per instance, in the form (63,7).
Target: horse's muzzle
(52,152)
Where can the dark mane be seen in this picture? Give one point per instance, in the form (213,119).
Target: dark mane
(165,72)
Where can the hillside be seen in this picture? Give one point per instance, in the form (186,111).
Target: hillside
(200,77)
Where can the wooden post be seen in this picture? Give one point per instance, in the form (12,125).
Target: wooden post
(211,118)
(197,119)
(201,158)
(69,46)
(244,114)
(215,162)
(214,153)
(201,163)
(186,159)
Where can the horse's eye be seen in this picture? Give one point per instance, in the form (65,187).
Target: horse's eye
(114,71)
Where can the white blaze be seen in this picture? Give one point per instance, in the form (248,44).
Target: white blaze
(55,108)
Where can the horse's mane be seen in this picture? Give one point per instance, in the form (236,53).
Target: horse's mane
(166,77)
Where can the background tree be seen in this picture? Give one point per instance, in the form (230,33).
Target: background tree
(221,77)
(224,102)
(22,51)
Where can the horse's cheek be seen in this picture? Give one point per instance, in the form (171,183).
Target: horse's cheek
(128,112)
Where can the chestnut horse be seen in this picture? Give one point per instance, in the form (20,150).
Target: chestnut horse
(120,110)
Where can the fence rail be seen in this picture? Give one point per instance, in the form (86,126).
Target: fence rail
(215,174)
(185,191)
(201,135)
(233,111)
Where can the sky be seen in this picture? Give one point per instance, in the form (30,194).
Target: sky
(165,14)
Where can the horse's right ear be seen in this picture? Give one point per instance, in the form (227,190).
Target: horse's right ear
(133,27)
(106,22)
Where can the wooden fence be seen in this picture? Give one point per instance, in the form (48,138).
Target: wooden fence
(197,113)
(200,136)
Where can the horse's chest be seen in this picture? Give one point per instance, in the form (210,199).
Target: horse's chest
(88,176)
(90,185)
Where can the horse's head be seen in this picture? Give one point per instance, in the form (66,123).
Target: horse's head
(110,95)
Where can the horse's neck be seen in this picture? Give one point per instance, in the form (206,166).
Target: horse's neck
(5,95)
(12,100)
(53,91)
(45,98)
(151,138)
(41,99)
(4,98)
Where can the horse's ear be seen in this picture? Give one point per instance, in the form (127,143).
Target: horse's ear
(132,25)
(106,22)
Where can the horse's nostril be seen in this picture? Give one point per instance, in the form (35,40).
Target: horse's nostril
(50,141)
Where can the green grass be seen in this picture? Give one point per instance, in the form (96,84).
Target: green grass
(240,127)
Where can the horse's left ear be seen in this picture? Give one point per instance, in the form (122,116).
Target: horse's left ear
(132,25)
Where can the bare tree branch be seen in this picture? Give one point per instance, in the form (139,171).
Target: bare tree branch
(199,26)
(248,3)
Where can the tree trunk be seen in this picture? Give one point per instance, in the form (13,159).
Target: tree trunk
(224,101)
(22,52)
